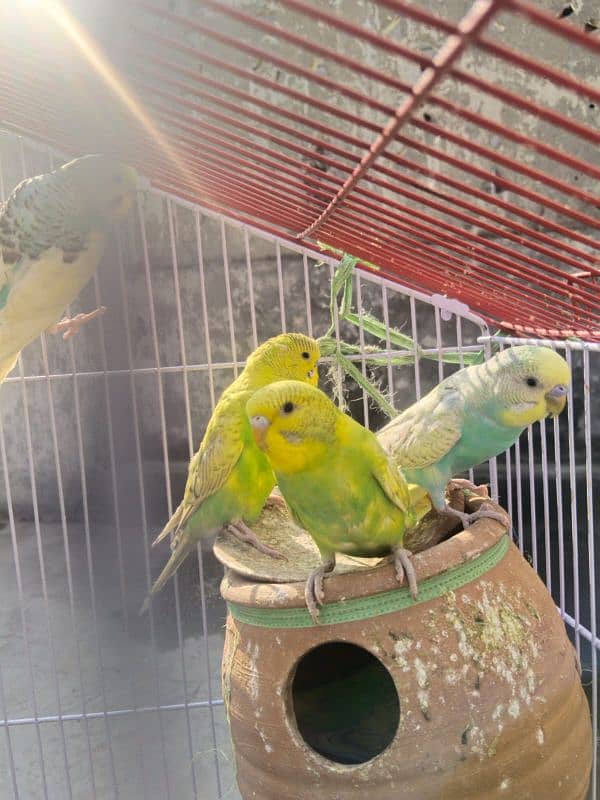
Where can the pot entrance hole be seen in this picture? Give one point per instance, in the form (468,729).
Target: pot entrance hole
(345,703)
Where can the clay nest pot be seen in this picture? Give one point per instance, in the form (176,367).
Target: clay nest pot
(471,692)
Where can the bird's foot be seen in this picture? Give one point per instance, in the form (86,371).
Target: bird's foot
(405,569)
(468,486)
(70,326)
(246,534)
(314,593)
(275,499)
(469,519)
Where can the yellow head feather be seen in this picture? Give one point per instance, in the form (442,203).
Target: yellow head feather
(105,188)
(530,382)
(294,423)
(289,356)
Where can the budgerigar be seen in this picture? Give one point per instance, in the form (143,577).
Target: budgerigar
(53,230)
(336,479)
(229,478)
(473,415)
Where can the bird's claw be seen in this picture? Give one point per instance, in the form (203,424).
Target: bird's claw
(405,570)
(246,534)
(314,591)
(69,326)
(468,519)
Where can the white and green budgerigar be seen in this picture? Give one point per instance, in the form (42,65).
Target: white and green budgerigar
(53,230)
(472,416)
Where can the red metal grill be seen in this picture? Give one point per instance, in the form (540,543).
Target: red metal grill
(451,173)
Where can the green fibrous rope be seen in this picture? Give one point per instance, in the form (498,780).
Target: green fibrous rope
(340,308)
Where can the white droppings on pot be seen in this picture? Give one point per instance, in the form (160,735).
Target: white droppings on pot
(514,708)
(421,674)
(539,735)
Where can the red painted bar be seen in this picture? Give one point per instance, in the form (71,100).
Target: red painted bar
(392,46)
(474,21)
(251,77)
(357,66)
(257,160)
(476,253)
(457,284)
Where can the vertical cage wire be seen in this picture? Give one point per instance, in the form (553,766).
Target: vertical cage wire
(433,336)
(16,555)
(188,419)
(591,549)
(200,263)
(361,341)
(568,514)
(144,521)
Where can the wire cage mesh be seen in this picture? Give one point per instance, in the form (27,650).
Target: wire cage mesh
(95,438)
(451,165)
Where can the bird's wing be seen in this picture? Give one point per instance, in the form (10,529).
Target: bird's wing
(366,450)
(215,459)
(220,449)
(11,256)
(36,217)
(420,437)
(392,483)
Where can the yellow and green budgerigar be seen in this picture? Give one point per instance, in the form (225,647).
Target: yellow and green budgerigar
(229,478)
(53,229)
(336,479)
(472,416)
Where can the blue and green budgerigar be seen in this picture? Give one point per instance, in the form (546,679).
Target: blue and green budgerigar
(336,479)
(53,230)
(229,478)
(472,416)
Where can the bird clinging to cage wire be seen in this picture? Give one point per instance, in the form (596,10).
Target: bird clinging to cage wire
(53,229)
(472,416)
(229,478)
(336,479)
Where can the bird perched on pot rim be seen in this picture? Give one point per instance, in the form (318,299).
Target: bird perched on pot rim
(336,479)
(53,230)
(229,478)
(473,415)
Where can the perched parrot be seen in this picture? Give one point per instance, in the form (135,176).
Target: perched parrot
(53,229)
(472,416)
(229,478)
(336,479)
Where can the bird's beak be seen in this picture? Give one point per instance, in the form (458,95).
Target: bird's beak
(260,426)
(313,376)
(556,399)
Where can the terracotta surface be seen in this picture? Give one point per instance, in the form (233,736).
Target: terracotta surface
(491,704)
(276,528)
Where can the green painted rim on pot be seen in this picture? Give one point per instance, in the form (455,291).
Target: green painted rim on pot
(359,608)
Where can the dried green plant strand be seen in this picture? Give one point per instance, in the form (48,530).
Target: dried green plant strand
(373,326)
(341,282)
(341,310)
(368,387)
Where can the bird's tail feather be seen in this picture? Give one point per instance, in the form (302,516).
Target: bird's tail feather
(180,517)
(178,556)
(420,504)
(7,366)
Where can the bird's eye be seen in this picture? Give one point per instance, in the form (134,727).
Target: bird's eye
(531,381)
(287,408)
(306,355)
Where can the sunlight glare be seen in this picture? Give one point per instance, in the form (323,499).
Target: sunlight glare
(94,56)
